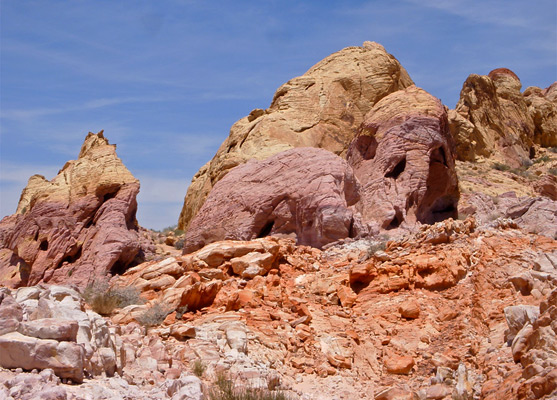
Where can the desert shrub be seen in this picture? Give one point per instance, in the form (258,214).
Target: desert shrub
(154,315)
(526,163)
(104,300)
(553,171)
(553,149)
(224,390)
(179,244)
(500,166)
(180,311)
(198,367)
(542,159)
(377,246)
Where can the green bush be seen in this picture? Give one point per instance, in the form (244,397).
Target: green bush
(104,300)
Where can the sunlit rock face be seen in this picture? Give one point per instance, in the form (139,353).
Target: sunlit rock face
(77,227)
(494,119)
(322,108)
(404,161)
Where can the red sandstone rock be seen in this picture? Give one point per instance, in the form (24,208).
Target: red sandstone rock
(303,191)
(409,309)
(78,227)
(396,364)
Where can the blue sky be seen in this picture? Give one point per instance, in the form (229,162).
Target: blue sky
(167,79)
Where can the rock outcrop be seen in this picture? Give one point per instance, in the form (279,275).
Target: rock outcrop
(323,108)
(494,119)
(304,191)
(404,160)
(77,227)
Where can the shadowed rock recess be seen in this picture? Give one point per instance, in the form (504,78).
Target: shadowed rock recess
(77,227)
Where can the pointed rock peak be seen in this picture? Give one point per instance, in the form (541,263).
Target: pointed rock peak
(77,227)
(93,140)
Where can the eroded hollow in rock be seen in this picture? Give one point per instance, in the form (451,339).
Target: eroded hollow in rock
(397,170)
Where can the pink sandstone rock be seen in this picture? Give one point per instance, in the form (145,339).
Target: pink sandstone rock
(77,227)
(404,160)
(305,191)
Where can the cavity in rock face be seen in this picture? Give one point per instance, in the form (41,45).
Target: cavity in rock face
(404,160)
(303,191)
(77,227)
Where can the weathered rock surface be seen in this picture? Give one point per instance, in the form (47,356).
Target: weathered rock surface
(305,191)
(534,214)
(77,227)
(403,159)
(542,106)
(494,119)
(323,108)
(54,332)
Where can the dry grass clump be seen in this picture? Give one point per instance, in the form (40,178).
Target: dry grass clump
(198,367)
(153,316)
(224,390)
(104,300)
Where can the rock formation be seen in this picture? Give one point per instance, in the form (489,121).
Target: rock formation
(305,191)
(77,227)
(323,108)
(404,160)
(494,119)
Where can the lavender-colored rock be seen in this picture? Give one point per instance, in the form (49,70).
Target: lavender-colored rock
(77,227)
(404,160)
(305,191)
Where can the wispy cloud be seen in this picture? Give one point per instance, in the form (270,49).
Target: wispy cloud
(25,114)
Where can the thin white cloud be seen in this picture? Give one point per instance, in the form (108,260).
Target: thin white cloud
(24,114)
(495,12)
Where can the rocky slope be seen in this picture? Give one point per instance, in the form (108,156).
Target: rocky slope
(356,240)
(77,227)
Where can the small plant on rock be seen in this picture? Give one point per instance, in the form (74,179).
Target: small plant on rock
(500,166)
(153,316)
(104,300)
(198,368)
(224,390)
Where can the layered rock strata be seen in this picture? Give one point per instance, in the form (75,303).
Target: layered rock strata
(494,119)
(305,191)
(77,227)
(322,108)
(403,158)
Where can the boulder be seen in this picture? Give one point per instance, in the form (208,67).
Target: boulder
(323,108)
(77,227)
(51,328)
(303,191)
(493,119)
(65,358)
(542,106)
(11,313)
(403,159)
